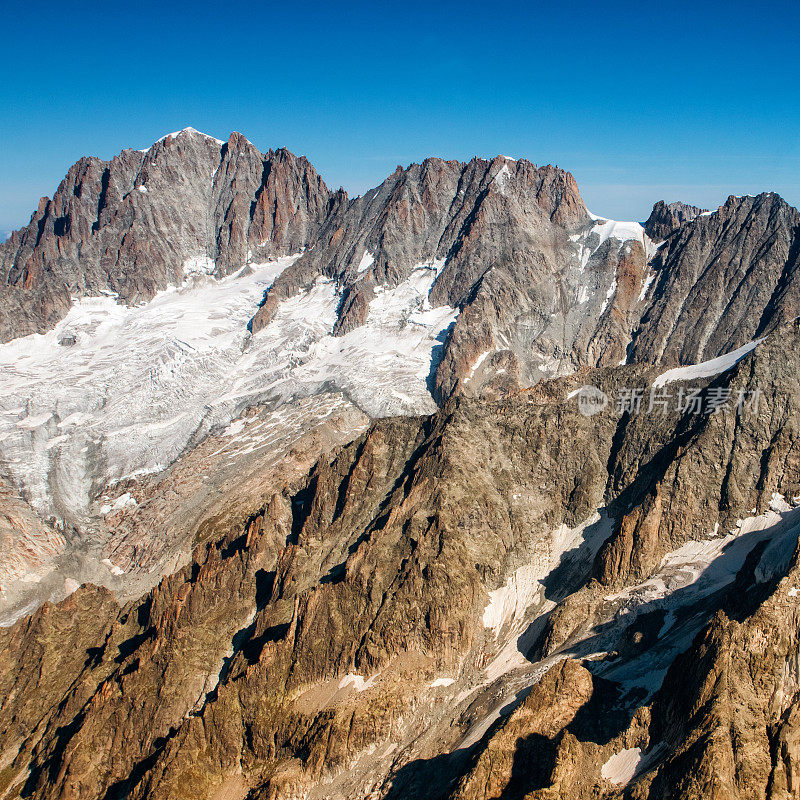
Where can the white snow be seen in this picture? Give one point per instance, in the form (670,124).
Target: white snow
(509,602)
(123,501)
(648,282)
(706,369)
(621,767)
(34,421)
(367,260)
(698,561)
(609,295)
(623,231)
(358,682)
(501,179)
(691,573)
(478,361)
(199,265)
(509,605)
(191,131)
(603,230)
(115,570)
(10,618)
(142,382)
(778,503)
(442,682)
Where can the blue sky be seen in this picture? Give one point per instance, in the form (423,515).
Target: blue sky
(641,101)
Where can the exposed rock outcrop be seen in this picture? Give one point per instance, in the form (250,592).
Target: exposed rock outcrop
(307,647)
(666,218)
(721,281)
(510,598)
(143,220)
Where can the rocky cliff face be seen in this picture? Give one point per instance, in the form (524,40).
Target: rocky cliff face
(515,250)
(666,218)
(542,287)
(721,281)
(508,598)
(143,220)
(398,625)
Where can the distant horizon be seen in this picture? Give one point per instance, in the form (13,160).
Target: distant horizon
(640,103)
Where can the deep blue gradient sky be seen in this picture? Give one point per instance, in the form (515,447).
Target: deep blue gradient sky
(641,101)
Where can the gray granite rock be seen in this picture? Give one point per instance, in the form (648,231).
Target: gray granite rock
(136,224)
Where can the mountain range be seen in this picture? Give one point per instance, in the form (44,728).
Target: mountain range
(450,490)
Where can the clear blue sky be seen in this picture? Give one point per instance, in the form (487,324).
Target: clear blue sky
(641,101)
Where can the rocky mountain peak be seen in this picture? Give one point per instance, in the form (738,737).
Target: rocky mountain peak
(425,213)
(187,133)
(144,220)
(336,589)
(721,280)
(665,218)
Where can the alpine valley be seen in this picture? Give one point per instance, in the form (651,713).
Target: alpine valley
(301,497)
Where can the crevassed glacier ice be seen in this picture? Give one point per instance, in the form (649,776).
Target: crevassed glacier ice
(115,391)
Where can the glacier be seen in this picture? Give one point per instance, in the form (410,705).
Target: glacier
(117,391)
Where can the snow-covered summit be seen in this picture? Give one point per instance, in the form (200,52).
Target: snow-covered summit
(191,132)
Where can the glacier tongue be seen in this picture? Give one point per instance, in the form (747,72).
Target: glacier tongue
(116,391)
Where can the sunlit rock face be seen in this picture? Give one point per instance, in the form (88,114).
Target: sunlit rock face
(357,536)
(138,223)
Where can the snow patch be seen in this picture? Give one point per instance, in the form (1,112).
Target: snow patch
(698,561)
(706,369)
(623,231)
(648,282)
(621,767)
(605,229)
(235,428)
(609,295)
(367,260)
(481,358)
(523,588)
(115,570)
(688,575)
(33,421)
(358,682)
(123,501)
(191,132)
(502,178)
(778,503)
(509,602)
(199,265)
(8,620)
(442,682)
